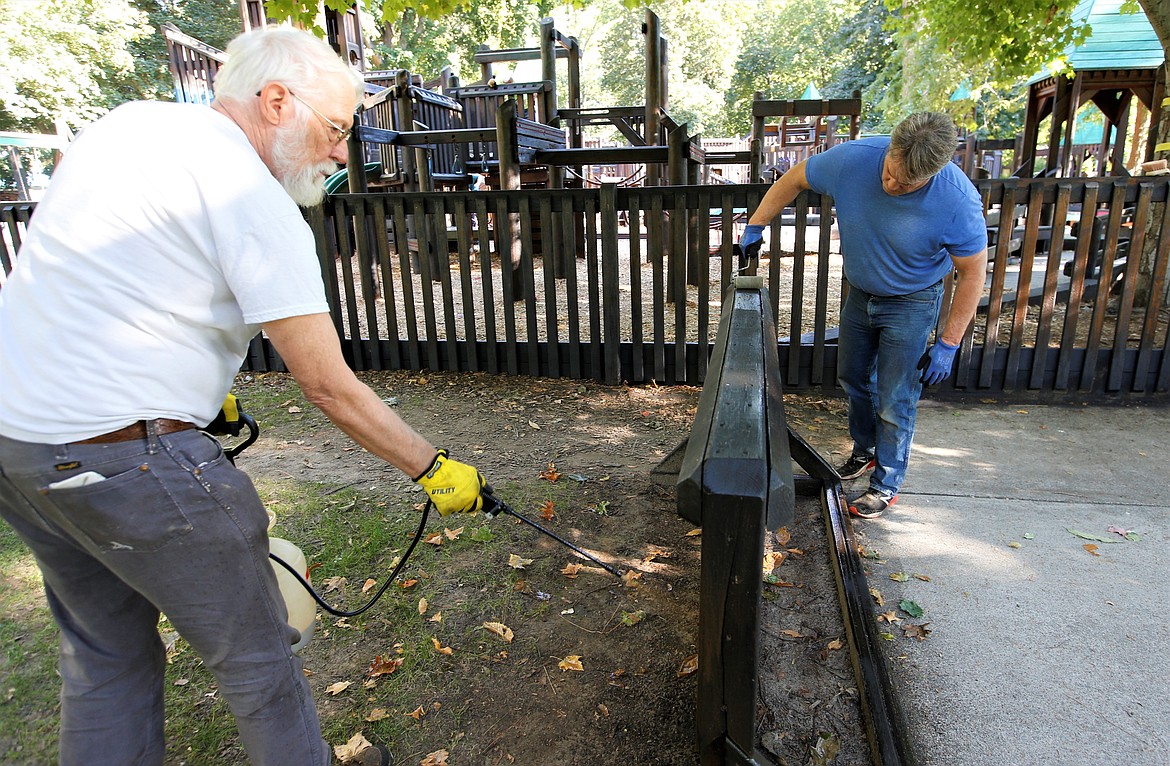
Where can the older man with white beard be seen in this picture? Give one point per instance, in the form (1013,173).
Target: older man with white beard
(169,237)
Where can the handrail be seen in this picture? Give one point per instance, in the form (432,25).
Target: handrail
(736,482)
(172,33)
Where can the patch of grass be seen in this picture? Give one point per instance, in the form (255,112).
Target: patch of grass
(28,658)
(347,533)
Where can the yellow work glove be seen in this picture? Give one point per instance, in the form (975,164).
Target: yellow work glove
(453,487)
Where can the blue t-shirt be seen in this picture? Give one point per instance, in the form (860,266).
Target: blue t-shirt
(896,245)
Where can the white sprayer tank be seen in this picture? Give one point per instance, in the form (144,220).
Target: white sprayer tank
(302,609)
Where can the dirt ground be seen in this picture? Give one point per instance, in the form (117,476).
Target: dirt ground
(632,700)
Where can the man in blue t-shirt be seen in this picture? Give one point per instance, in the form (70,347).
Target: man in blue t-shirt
(907,216)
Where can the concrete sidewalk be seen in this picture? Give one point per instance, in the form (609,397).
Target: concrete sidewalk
(1043,653)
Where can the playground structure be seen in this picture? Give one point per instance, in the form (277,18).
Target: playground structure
(13,142)
(543,280)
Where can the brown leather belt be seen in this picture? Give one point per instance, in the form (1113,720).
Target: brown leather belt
(138,431)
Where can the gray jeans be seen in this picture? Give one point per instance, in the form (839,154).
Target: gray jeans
(174,526)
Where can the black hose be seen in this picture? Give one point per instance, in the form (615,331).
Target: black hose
(342,613)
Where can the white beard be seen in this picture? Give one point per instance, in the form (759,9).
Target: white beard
(305,183)
(306,186)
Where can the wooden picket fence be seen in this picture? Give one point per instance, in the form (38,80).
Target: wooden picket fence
(626,284)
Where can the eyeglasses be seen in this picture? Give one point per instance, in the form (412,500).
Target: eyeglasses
(342,133)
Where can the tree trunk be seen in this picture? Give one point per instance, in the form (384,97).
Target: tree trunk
(1158,14)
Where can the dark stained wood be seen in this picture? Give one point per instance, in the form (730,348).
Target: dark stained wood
(1153,311)
(389,287)
(736,482)
(1023,341)
(1048,300)
(611,297)
(551,325)
(593,286)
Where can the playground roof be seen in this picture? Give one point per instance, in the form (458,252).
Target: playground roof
(1118,40)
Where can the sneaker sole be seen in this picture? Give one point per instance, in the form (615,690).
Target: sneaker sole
(871,514)
(857,474)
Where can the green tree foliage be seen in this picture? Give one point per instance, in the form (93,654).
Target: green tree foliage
(702,43)
(1014,40)
(868,46)
(64,59)
(214,22)
(425,45)
(788,46)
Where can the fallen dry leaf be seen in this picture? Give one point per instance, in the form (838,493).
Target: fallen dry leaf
(452,534)
(630,578)
(689,666)
(333,583)
(383,666)
(890,617)
(835,644)
(338,687)
(350,749)
(422,606)
(546,510)
(437,758)
(409,584)
(917,631)
(517,562)
(772,560)
(694,533)
(571,570)
(1091,548)
(416,714)
(500,629)
(572,662)
(377,714)
(793,633)
(368,584)
(924,578)
(435,539)
(783,536)
(437,618)
(877,596)
(440,648)
(550,473)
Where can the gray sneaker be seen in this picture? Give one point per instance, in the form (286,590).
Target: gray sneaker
(871,504)
(855,466)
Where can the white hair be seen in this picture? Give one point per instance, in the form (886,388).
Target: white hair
(306,64)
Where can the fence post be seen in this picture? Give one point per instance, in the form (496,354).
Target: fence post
(611,298)
(736,482)
(652,30)
(508,151)
(548,70)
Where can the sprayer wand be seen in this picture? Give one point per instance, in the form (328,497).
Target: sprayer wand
(493,506)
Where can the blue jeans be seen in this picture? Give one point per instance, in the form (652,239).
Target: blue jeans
(173,527)
(881,341)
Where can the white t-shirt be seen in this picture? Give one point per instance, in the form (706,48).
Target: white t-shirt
(162,244)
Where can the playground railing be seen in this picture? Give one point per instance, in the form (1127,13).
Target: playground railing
(194,65)
(1074,303)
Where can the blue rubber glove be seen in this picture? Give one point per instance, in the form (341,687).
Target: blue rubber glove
(752,240)
(936,362)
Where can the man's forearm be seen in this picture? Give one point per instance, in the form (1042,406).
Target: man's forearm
(972,271)
(780,195)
